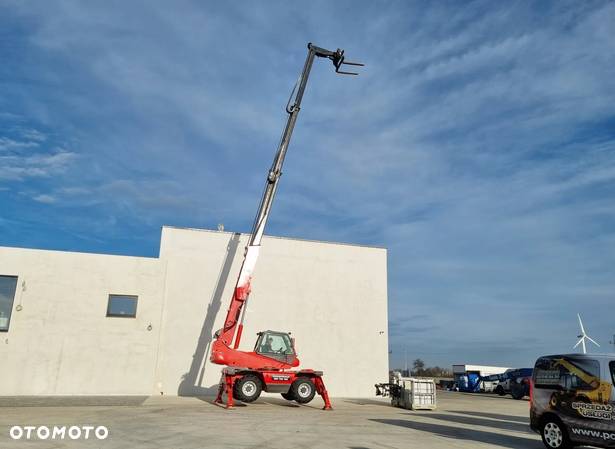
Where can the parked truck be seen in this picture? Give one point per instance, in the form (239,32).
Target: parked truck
(515,382)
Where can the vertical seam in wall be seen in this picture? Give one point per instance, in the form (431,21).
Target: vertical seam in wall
(163,307)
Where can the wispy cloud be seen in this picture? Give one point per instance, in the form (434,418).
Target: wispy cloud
(477,145)
(7,144)
(20,168)
(44,198)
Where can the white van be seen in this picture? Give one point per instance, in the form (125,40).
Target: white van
(572,400)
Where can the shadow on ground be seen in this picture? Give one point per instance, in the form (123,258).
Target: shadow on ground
(367,402)
(191,383)
(494,396)
(457,433)
(517,419)
(266,401)
(482,421)
(71,401)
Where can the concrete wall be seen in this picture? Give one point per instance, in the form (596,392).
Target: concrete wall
(332,298)
(61,342)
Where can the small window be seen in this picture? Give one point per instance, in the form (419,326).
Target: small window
(124,306)
(8,285)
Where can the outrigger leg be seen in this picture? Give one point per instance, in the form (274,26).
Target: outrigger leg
(226,386)
(322,391)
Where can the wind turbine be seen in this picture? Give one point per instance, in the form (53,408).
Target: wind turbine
(583,337)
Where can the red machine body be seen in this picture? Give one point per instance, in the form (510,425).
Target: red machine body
(267,367)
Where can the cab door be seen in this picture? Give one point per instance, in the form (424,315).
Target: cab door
(589,421)
(609,432)
(612,373)
(612,398)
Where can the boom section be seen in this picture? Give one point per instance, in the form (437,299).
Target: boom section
(242,287)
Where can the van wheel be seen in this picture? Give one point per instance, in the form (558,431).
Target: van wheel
(248,388)
(303,390)
(499,390)
(554,435)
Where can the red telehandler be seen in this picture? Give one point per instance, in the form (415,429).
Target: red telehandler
(269,366)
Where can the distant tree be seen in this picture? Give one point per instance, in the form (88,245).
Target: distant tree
(419,369)
(418,366)
(436,371)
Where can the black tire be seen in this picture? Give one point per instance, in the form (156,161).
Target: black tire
(554,434)
(288,396)
(517,391)
(248,388)
(303,390)
(499,390)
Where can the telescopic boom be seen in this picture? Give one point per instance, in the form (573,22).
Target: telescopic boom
(242,287)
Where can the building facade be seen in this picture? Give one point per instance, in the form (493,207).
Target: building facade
(93,324)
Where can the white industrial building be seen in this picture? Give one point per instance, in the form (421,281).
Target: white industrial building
(481,370)
(468,377)
(93,324)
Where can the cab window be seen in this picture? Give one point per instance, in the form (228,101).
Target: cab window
(275,344)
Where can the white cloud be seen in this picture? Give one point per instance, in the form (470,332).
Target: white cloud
(7,144)
(44,198)
(33,135)
(20,168)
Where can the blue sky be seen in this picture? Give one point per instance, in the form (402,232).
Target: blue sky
(478,146)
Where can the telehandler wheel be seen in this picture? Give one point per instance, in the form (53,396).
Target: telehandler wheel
(303,390)
(248,388)
(288,396)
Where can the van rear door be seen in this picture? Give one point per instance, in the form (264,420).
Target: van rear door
(587,403)
(573,388)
